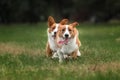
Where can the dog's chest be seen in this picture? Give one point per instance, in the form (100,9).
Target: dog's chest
(52,43)
(69,48)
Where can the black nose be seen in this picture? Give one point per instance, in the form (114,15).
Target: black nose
(66,35)
(54,33)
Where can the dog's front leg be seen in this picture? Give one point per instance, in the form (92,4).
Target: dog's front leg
(61,57)
(55,55)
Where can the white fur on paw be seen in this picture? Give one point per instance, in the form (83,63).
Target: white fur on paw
(60,61)
(78,53)
(65,56)
(55,55)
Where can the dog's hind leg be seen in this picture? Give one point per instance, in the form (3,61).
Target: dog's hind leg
(48,50)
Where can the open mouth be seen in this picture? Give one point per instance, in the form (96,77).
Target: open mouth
(54,37)
(65,41)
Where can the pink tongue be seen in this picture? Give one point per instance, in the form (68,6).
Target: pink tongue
(63,42)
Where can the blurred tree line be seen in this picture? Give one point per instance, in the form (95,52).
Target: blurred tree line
(22,11)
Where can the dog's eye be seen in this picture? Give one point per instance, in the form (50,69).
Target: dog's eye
(70,30)
(63,30)
(53,28)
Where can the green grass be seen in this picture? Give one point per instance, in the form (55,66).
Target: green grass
(22,54)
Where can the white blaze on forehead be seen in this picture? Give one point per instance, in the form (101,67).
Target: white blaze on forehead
(56,29)
(66,31)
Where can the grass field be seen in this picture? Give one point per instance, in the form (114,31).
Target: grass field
(22,54)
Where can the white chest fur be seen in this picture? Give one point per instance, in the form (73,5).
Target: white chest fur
(52,42)
(67,49)
(70,47)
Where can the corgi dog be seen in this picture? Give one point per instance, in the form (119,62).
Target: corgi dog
(68,42)
(51,46)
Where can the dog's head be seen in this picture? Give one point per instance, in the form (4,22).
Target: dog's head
(67,32)
(53,26)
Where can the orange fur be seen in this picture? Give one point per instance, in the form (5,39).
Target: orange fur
(51,26)
(48,50)
(74,32)
(74,54)
(51,21)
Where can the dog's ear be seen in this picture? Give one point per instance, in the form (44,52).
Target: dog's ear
(51,21)
(74,24)
(64,21)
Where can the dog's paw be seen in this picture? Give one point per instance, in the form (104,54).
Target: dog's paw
(60,61)
(55,55)
(78,53)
